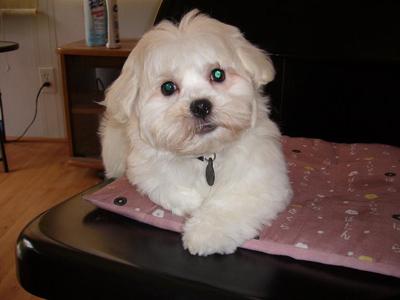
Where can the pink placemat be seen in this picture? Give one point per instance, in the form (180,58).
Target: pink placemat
(345,210)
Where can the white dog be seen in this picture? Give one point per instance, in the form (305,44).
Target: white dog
(187,124)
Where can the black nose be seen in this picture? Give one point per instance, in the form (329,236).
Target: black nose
(201,108)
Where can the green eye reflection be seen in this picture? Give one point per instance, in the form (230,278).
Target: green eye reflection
(168,88)
(217,75)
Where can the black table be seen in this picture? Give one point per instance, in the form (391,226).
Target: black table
(5,46)
(77,251)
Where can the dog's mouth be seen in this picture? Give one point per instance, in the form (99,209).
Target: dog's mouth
(204,128)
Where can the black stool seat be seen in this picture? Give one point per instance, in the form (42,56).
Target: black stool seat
(6,46)
(77,251)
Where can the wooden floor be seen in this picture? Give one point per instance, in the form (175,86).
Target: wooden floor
(39,178)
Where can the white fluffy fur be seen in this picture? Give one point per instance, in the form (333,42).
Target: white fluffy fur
(154,139)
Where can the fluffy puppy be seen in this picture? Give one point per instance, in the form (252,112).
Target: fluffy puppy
(188,125)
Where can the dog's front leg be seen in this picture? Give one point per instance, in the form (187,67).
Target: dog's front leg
(230,218)
(180,200)
(166,190)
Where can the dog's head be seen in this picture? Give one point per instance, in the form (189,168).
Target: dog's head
(192,88)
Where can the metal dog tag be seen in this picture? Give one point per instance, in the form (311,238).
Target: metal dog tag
(210,174)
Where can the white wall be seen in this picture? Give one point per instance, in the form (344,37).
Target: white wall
(58,22)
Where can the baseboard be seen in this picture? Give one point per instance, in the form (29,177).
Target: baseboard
(36,139)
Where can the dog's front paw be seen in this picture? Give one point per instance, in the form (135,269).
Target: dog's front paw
(203,238)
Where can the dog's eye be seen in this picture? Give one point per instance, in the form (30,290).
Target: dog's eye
(217,75)
(168,88)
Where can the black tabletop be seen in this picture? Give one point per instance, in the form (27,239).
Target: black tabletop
(6,46)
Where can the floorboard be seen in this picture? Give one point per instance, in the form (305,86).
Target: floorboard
(39,178)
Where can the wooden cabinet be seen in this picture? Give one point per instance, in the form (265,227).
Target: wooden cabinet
(86,74)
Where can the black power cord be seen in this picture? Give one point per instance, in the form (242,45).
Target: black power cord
(45,84)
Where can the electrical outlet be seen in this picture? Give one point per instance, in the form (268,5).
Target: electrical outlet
(47,74)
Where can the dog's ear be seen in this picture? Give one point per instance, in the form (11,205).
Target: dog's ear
(255,61)
(121,95)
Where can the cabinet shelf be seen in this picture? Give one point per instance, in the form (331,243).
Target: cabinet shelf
(87,109)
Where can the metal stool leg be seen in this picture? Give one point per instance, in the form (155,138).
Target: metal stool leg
(3,156)
(2,129)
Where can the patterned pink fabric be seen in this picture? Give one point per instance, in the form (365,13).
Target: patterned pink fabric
(345,210)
